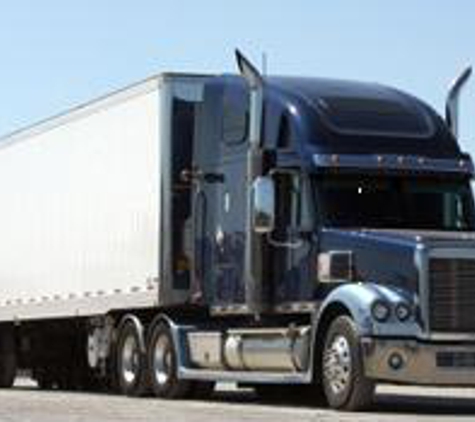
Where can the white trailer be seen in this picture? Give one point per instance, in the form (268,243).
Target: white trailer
(81,203)
(79,220)
(83,215)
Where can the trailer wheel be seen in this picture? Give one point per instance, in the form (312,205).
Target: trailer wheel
(8,365)
(131,368)
(345,385)
(163,365)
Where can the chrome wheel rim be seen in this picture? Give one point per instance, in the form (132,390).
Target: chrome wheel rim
(162,360)
(337,364)
(130,359)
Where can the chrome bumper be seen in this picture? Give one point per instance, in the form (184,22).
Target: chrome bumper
(419,363)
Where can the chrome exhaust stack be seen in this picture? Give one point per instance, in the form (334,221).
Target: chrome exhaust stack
(256,85)
(452,102)
(253,247)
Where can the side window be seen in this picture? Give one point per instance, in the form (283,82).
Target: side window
(293,198)
(284,134)
(235,114)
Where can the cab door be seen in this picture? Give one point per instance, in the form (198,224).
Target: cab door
(206,177)
(231,206)
(292,243)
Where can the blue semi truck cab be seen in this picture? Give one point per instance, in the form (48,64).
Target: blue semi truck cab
(329,240)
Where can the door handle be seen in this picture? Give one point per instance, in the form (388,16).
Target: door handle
(219,237)
(197,175)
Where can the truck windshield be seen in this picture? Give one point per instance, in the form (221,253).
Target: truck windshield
(394,203)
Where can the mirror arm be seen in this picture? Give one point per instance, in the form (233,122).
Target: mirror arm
(287,244)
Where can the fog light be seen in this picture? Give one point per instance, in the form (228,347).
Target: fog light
(396,361)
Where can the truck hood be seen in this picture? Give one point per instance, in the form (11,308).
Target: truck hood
(388,257)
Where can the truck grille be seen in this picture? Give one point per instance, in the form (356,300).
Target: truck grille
(452,295)
(456,360)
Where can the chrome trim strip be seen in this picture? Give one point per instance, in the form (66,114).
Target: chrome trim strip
(283,308)
(421,262)
(246,376)
(230,310)
(454,253)
(296,307)
(435,336)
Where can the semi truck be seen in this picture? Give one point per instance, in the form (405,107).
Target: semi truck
(288,234)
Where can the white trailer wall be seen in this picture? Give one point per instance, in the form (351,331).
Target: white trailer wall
(79,209)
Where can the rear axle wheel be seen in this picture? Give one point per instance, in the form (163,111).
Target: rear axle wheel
(163,365)
(130,362)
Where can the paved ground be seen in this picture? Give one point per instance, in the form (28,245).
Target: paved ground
(25,403)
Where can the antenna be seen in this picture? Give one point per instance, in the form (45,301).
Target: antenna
(253,275)
(264,63)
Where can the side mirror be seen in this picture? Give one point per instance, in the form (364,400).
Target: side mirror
(263,204)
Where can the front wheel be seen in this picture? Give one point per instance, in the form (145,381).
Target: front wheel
(345,385)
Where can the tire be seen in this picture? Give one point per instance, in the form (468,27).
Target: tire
(344,383)
(131,368)
(163,366)
(8,364)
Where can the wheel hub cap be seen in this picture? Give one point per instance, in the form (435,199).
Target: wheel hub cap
(337,364)
(130,360)
(162,362)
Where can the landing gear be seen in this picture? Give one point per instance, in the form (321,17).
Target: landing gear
(44,381)
(131,368)
(8,366)
(345,385)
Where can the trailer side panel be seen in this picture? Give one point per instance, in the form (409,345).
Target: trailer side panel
(79,211)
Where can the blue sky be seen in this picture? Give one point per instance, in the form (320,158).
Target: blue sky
(58,53)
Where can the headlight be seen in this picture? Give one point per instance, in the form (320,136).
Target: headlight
(403,311)
(380,311)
